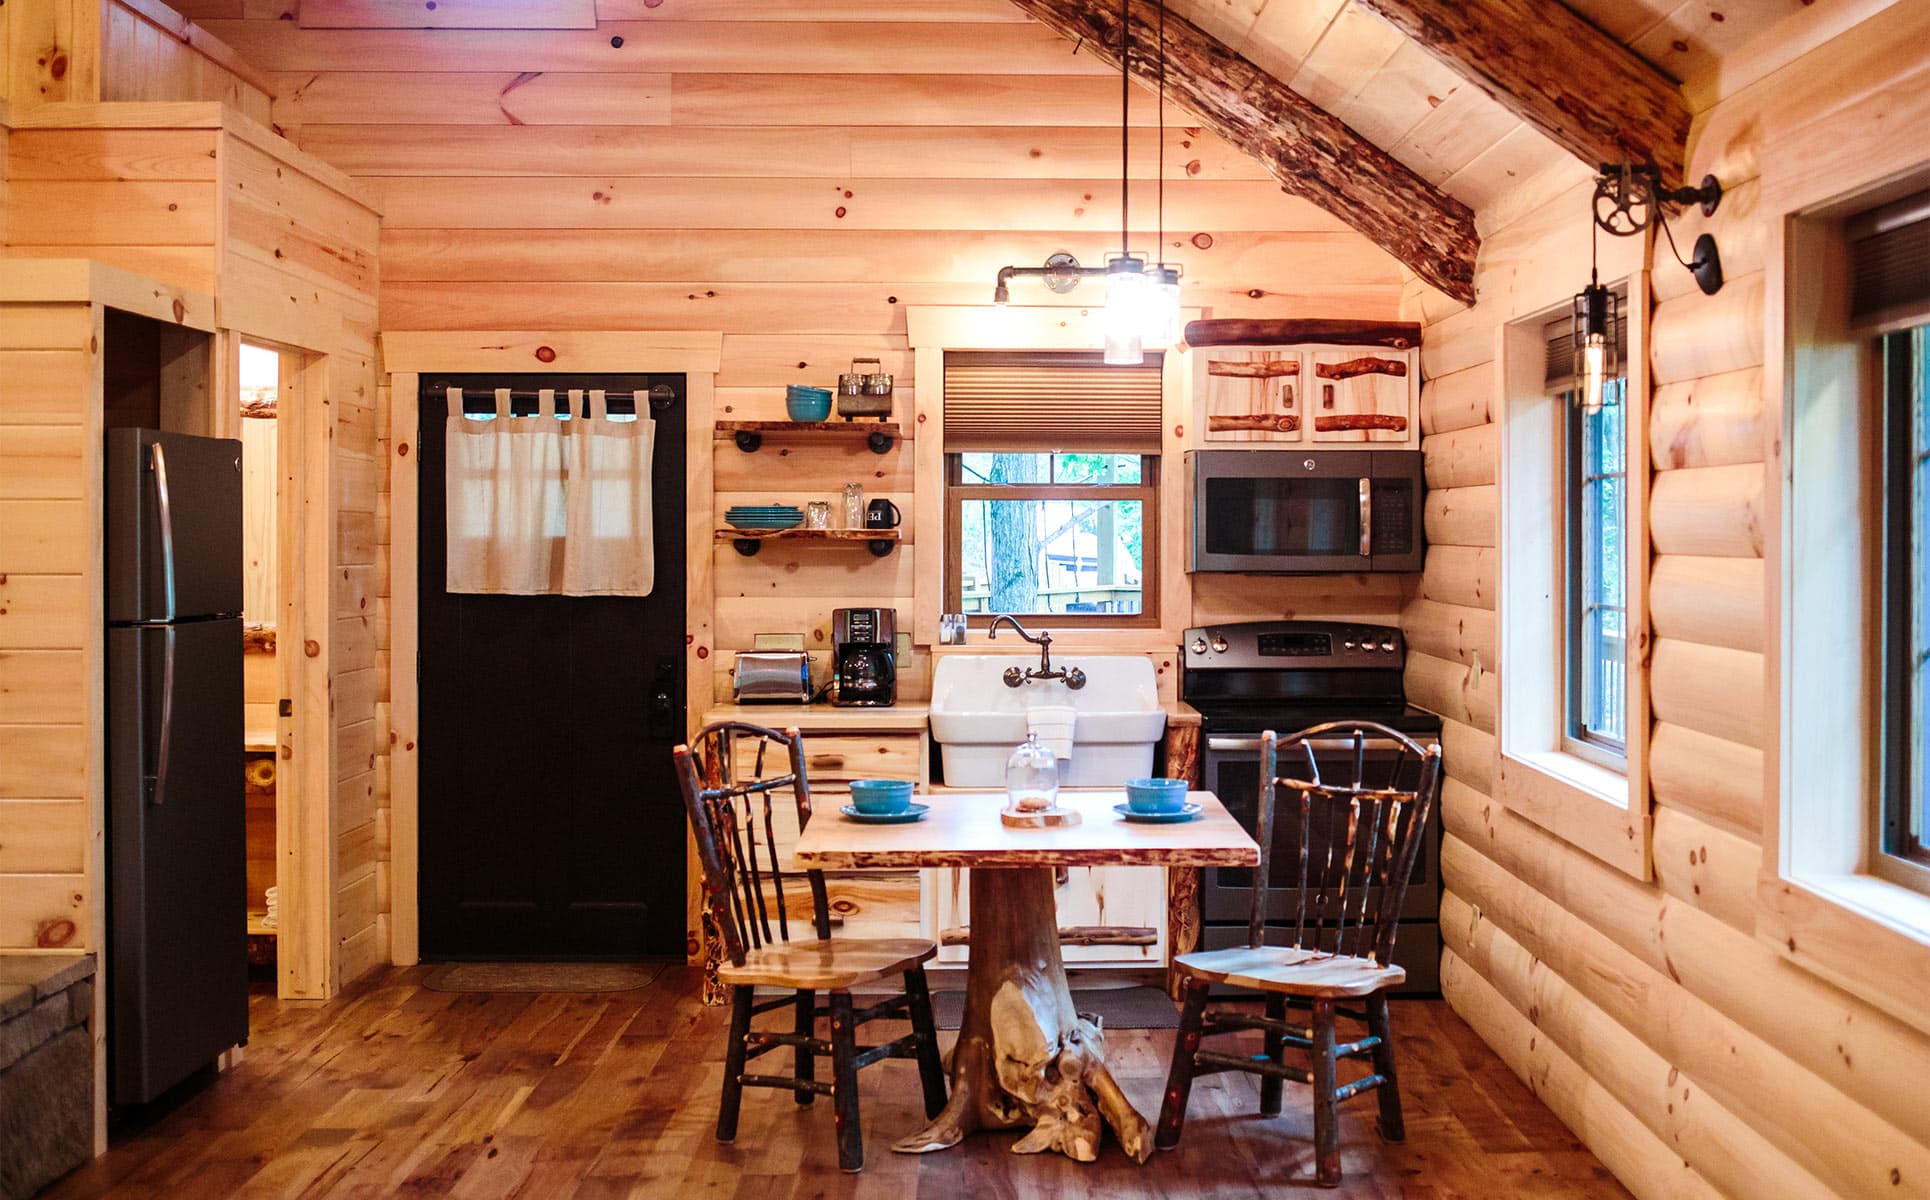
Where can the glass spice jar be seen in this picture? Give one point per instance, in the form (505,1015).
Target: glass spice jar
(1032,777)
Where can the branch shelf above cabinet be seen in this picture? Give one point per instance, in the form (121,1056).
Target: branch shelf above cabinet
(880,436)
(749,541)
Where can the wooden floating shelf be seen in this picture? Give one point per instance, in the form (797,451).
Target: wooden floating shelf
(880,436)
(749,541)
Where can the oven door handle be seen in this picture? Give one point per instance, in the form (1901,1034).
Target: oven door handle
(1252,745)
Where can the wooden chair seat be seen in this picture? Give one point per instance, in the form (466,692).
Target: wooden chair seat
(1291,971)
(827,965)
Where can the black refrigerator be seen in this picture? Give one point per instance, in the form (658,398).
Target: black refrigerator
(177,952)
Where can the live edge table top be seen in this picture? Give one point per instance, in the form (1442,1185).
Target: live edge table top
(963,830)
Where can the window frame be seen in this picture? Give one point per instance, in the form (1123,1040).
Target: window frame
(1900,857)
(1597,804)
(1577,738)
(1146,491)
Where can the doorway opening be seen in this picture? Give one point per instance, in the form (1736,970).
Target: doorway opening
(551,823)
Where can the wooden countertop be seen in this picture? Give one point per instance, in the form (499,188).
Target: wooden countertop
(911,715)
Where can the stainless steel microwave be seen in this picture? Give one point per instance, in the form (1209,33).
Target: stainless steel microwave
(1291,512)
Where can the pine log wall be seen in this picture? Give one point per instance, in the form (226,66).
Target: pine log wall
(1691,1057)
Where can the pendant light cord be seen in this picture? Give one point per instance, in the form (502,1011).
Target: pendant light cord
(1160,244)
(1125,94)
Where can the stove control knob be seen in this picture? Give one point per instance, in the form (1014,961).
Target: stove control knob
(1219,644)
(1349,643)
(1199,645)
(1388,645)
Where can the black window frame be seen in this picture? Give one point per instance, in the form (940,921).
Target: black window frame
(1902,368)
(1576,608)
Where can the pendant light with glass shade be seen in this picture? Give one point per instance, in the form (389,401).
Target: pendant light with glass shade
(1142,297)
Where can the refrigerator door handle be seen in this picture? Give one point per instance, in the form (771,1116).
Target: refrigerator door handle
(164,506)
(161,759)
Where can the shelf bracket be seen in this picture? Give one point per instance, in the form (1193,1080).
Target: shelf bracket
(880,443)
(749,442)
(880,547)
(748,547)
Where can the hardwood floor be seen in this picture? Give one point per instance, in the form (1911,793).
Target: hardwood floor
(396,1090)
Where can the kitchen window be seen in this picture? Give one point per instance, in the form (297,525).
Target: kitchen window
(1596,615)
(1052,488)
(1905,744)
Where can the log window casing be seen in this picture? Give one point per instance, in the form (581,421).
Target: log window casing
(1905,746)
(1059,453)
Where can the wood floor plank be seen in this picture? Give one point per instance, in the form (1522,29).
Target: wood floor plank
(396,1089)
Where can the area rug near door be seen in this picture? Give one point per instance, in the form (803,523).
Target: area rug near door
(1116,1008)
(541,977)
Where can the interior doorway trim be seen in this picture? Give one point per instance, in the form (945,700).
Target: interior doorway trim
(406,356)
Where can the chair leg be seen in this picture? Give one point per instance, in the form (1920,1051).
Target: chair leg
(740,1025)
(931,1073)
(807,1062)
(1271,1088)
(1326,1107)
(1389,1092)
(844,1082)
(1179,1081)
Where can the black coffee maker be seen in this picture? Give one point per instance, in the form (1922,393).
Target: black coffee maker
(861,655)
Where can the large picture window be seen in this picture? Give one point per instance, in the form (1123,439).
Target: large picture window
(1596,650)
(1906,623)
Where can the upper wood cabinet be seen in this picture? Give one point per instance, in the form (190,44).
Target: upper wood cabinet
(1310,395)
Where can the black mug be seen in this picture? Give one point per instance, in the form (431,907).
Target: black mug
(882,514)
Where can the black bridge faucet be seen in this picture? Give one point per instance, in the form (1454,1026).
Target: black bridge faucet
(1074,678)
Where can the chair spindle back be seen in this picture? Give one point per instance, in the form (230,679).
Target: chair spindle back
(723,776)
(1358,837)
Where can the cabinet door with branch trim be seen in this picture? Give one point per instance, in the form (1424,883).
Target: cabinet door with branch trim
(1252,395)
(1359,395)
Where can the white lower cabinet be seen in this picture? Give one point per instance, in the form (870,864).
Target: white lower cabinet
(1108,916)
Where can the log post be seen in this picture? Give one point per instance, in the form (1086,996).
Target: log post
(1024,1057)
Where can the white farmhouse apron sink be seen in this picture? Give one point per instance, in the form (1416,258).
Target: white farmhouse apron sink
(977,720)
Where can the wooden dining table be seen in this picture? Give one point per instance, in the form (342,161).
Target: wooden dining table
(1025,1058)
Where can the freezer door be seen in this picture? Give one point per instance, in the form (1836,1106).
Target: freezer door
(173,526)
(176,858)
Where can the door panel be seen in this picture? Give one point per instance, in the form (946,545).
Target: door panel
(176,854)
(552,826)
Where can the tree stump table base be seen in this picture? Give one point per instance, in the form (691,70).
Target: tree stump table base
(1024,1056)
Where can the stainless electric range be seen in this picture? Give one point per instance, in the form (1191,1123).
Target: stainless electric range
(1285,676)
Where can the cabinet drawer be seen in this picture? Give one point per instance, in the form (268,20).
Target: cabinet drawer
(831,760)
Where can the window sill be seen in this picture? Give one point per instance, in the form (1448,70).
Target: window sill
(1578,801)
(1862,933)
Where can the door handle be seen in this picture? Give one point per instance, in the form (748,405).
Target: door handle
(1366,517)
(166,753)
(164,507)
(1252,745)
(663,701)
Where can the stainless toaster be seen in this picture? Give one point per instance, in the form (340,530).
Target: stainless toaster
(771,677)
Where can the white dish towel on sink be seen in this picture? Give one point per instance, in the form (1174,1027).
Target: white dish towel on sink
(1053,724)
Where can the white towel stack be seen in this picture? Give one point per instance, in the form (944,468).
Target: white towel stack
(272,897)
(1053,724)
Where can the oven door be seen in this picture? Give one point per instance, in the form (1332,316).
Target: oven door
(1231,770)
(1273,511)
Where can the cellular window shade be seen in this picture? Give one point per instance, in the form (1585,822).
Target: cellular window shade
(1055,401)
(1890,262)
(1559,334)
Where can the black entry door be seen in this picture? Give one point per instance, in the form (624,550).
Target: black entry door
(552,827)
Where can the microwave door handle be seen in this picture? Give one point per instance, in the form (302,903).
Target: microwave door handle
(1366,518)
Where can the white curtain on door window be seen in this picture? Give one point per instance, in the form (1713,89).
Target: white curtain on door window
(609,550)
(549,503)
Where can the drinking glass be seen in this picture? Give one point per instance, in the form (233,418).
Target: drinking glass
(854,506)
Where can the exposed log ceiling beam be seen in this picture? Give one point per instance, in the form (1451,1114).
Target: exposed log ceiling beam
(1309,150)
(1586,92)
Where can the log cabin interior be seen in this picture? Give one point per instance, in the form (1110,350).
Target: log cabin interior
(616,443)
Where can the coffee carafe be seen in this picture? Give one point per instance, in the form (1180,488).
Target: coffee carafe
(862,658)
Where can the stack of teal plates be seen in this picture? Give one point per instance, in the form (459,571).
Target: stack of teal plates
(765,516)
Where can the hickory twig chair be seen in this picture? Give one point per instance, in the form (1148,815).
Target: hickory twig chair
(1356,848)
(748,902)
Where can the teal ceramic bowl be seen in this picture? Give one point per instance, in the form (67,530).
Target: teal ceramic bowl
(1156,795)
(880,797)
(807,403)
